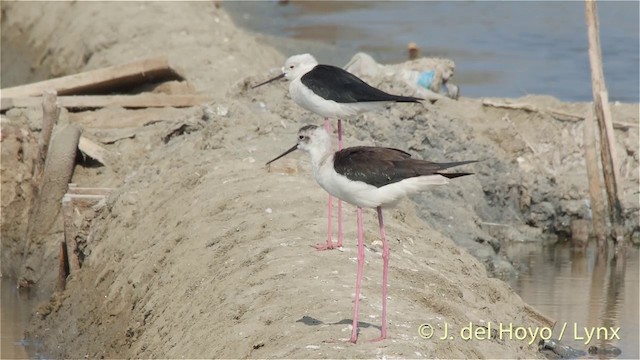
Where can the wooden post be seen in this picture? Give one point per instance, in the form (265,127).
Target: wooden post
(601,105)
(45,206)
(613,184)
(595,185)
(50,112)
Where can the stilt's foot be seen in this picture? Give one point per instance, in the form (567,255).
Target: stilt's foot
(325,246)
(382,337)
(332,341)
(354,339)
(338,341)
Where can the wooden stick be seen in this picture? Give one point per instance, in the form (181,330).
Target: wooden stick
(607,140)
(613,190)
(63,267)
(50,113)
(99,101)
(555,113)
(103,80)
(598,214)
(513,106)
(57,173)
(70,234)
(549,322)
(84,200)
(74,190)
(91,149)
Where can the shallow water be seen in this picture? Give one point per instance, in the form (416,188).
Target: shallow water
(15,312)
(582,290)
(506,49)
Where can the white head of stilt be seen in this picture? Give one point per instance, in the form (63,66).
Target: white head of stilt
(316,141)
(298,65)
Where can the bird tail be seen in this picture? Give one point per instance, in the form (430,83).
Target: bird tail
(454,175)
(398,98)
(453,164)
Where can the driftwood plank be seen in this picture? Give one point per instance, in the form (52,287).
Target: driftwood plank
(556,114)
(91,149)
(103,80)
(99,101)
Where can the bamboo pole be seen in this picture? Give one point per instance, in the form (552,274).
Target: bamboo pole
(598,214)
(601,105)
(613,189)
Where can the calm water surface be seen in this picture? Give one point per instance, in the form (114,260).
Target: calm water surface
(582,289)
(15,312)
(505,49)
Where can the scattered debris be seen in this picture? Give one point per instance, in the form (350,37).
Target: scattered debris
(78,210)
(562,350)
(428,76)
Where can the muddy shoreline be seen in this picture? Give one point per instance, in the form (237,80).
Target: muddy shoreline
(187,260)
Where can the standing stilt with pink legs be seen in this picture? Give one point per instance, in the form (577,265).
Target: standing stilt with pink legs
(372,177)
(332,92)
(385,271)
(354,331)
(329,244)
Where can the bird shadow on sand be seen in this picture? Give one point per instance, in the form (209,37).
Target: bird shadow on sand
(309,321)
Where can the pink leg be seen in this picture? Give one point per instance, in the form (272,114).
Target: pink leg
(385,271)
(327,125)
(354,332)
(339,201)
(329,244)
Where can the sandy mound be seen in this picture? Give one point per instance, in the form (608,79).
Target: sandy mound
(202,252)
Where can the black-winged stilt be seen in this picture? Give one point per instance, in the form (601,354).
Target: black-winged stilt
(331,92)
(371,177)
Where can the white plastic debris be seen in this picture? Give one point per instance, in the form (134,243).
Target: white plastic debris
(428,76)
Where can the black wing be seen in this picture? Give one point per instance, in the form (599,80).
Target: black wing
(380,166)
(326,80)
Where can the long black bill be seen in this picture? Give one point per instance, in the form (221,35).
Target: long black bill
(268,81)
(284,153)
